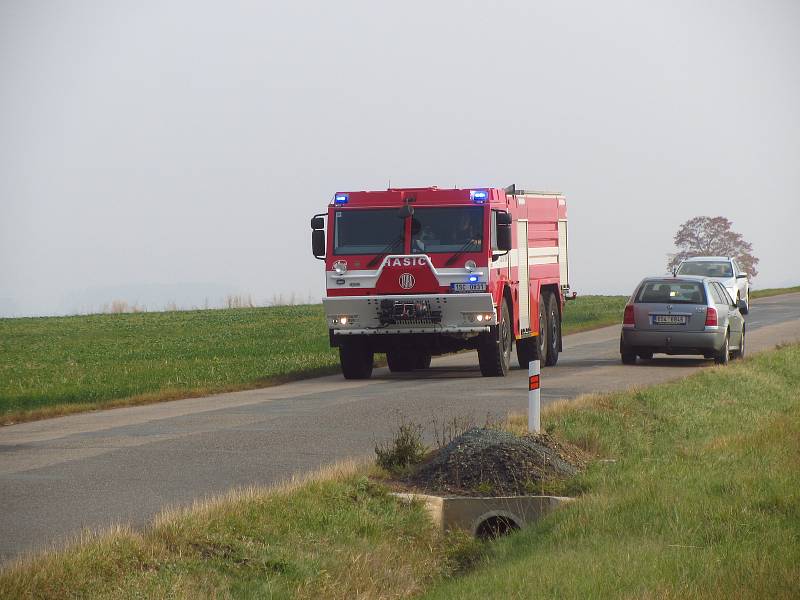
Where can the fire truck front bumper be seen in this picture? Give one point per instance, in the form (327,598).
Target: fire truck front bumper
(459,314)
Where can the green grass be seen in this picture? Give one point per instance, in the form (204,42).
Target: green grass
(338,536)
(703,500)
(765,293)
(589,312)
(57,365)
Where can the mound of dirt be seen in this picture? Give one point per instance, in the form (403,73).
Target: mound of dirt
(498,463)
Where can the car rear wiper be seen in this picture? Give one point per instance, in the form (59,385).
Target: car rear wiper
(386,250)
(460,251)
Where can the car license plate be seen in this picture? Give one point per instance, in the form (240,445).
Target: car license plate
(669,319)
(468,287)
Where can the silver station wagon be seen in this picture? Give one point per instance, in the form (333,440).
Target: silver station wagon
(682,315)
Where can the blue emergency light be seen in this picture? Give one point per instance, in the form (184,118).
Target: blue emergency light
(479,196)
(472,278)
(341,198)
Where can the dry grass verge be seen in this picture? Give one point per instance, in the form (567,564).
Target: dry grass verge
(333,534)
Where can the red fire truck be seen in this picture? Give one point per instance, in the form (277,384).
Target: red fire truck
(416,272)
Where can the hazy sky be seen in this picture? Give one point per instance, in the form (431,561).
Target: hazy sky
(181,147)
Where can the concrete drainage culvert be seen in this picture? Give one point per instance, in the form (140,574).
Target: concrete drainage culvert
(485,517)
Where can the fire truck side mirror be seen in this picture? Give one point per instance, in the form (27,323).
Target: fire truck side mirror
(503,218)
(317,223)
(504,238)
(318,243)
(504,232)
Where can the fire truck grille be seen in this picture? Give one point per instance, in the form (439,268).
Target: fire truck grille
(408,312)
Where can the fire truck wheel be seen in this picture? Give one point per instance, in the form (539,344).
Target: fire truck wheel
(539,346)
(356,360)
(494,353)
(553,330)
(423,361)
(400,361)
(525,350)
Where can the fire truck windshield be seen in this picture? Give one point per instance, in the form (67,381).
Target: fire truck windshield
(447,229)
(368,231)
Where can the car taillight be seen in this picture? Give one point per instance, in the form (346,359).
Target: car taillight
(711,317)
(627,318)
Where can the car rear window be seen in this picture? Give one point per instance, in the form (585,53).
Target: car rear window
(672,292)
(706,268)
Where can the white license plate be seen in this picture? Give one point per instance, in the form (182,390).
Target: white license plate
(468,287)
(669,319)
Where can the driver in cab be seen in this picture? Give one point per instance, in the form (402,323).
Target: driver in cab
(467,232)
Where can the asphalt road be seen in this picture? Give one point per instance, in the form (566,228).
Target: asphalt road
(125,465)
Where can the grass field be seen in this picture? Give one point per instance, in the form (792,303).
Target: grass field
(765,293)
(698,496)
(61,364)
(57,365)
(589,312)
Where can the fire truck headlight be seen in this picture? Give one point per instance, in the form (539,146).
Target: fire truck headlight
(472,317)
(342,320)
(470,266)
(340,267)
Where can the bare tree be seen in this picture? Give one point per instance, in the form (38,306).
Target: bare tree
(712,236)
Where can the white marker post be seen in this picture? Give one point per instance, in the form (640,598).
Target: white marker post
(534,402)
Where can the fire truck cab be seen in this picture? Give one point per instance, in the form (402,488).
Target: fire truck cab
(417,272)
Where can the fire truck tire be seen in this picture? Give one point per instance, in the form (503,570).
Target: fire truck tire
(400,361)
(423,361)
(356,360)
(553,330)
(494,353)
(539,345)
(525,351)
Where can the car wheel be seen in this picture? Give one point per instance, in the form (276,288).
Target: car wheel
(724,353)
(626,353)
(739,352)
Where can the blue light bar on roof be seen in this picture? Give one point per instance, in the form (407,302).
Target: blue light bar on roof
(341,198)
(479,196)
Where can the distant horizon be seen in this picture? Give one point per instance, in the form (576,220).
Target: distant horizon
(241,300)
